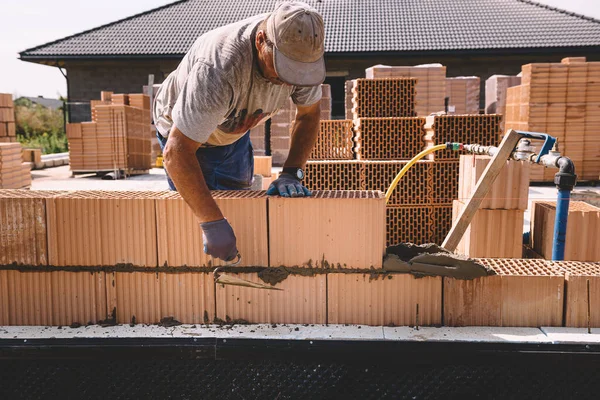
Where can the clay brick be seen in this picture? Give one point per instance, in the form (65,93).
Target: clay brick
(579,300)
(6,100)
(387,300)
(149,297)
(492,233)
(583,228)
(389,138)
(480,129)
(510,190)
(301,301)
(380,98)
(524,293)
(335,141)
(418,224)
(334,175)
(55,298)
(338,228)
(464,94)
(413,188)
(180,235)
(430,86)
(7,114)
(443,182)
(23,226)
(87,228)
(262,165)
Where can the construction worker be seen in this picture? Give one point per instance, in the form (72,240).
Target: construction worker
(232,79)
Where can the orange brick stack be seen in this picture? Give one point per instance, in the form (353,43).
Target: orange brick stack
(430,87)
(8,132)
(14,174)
(382,98)
(119,138)
(583,227)
(463,92)
(497,227)
(563,100)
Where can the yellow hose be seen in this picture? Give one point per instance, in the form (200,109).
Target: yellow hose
(412,162)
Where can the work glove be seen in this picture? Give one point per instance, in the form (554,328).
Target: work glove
(287,186)
(219,239)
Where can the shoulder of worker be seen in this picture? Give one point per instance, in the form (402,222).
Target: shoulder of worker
(228,50)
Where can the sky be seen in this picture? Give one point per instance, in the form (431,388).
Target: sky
(30,23)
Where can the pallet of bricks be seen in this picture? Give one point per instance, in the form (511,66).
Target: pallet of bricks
(281,128)
(463,94)
(14,174)
(117,139)
(79,257)
(563,100)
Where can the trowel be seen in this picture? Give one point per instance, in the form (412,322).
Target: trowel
(230,280)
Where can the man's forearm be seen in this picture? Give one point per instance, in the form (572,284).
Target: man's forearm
(184,170)
(304,135)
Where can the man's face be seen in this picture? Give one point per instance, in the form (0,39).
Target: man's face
(266,49)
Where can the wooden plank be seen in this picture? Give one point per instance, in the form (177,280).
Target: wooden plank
(481,190)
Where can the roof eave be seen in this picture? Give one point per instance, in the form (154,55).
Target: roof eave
(60,60)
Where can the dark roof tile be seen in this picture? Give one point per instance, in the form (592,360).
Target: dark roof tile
(351,26)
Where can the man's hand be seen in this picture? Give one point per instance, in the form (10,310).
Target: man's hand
(287,186)
(219,239)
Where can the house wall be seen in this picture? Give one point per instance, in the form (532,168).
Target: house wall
(87,79)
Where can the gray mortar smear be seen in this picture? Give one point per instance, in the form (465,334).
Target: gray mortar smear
(432,260)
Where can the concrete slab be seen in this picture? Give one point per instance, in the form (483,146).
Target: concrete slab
(466,334)
(572,335)
(279,332)
(60,178)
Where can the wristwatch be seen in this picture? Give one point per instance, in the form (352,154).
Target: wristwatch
(297,173)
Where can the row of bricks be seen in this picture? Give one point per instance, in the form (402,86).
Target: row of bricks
(523,293)
(88,228)
(427,182)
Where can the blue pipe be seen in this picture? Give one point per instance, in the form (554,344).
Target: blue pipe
(560,224)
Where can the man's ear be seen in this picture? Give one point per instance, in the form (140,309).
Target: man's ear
(261,38)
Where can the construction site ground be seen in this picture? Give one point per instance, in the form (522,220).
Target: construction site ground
(61,178)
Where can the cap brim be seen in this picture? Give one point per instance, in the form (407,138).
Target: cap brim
(298,73)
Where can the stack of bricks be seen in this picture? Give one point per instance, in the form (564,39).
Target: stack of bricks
(497,228)
(463,94)
(430,86)
(8,132)
(387,136)
(495,94)
(583,225)
(563,100)
(14,174)
(133,257)
(118,138)
(282,124)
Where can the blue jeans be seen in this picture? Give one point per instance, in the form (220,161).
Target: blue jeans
(229,167)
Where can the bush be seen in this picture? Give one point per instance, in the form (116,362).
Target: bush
(40,127)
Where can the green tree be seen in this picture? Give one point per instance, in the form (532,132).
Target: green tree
(40,127)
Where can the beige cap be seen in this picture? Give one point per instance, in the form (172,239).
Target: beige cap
(297,32)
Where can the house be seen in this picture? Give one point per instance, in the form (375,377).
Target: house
(469,37)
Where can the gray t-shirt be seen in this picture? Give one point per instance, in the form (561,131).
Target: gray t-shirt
(217,92)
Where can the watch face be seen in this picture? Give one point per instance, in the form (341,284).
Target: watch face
(299,174)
